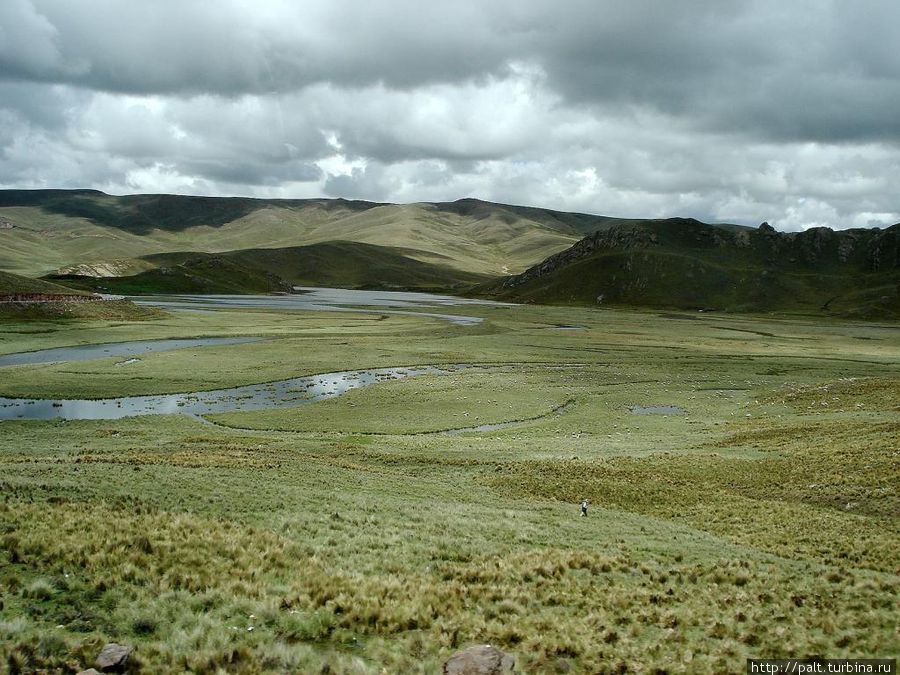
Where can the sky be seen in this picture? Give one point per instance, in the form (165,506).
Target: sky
(723,110)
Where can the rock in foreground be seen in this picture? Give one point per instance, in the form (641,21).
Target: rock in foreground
(113,658)
(479,660)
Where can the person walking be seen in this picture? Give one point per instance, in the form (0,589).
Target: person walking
(584,505)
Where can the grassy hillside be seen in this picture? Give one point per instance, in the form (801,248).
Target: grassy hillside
(144,213)
(341,263)
(54,312)
(11,284)
(58,228)
(686,264)
(351,264)
(564,221)
(195,273)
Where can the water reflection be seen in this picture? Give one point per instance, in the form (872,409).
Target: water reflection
(284,393)
(327,299)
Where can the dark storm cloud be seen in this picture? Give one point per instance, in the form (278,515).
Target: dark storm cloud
(743,110)
(37,104)
(232,48)
(785,71)
(815,70)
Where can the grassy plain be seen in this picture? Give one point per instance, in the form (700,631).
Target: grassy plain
(350,536)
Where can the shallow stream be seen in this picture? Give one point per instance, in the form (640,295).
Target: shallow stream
(282,394)
(99,351)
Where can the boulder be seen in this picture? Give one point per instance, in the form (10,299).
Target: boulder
(479,660)
(113,658)
(89,671)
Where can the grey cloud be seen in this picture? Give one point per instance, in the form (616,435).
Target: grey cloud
(744,111)
(39,105)
(370,183)
(28,42)
(816,70)
(185,47)
(251,174)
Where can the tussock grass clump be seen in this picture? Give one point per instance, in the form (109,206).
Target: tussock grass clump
(40,589)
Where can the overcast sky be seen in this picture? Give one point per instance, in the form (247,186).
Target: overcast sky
(723,110)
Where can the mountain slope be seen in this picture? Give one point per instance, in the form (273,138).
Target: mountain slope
(682,263)
(58,228)
(14,284)
(54,229)
(193,273)
(346,264)
(24,299)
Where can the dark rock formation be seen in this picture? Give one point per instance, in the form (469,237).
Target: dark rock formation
(860,250)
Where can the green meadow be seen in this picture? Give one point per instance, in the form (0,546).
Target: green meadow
(372,533)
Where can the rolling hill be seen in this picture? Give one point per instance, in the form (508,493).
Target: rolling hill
(173,243)
(14,284)
(93,232)
(25,299)
(195,273)
(686,264)
(337,263)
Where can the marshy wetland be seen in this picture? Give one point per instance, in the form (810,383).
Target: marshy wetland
(754,512)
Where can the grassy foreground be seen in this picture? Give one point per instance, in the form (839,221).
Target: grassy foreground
(351,536)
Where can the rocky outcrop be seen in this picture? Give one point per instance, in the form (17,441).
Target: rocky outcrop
(625,238)
(480,660)
(107,268)
(859,250)
(113,658)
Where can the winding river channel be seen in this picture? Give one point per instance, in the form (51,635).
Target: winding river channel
(283,393)
(292,392)
(108,349)
(330,300)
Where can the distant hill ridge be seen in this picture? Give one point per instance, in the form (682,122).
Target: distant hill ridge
(687,264)
(338,263)
(175,243)
(61,228)
(145,212)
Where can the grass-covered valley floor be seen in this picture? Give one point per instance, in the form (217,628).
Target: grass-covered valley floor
(354,536)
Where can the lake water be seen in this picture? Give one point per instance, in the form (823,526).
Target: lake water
(284,393)
(327,299)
